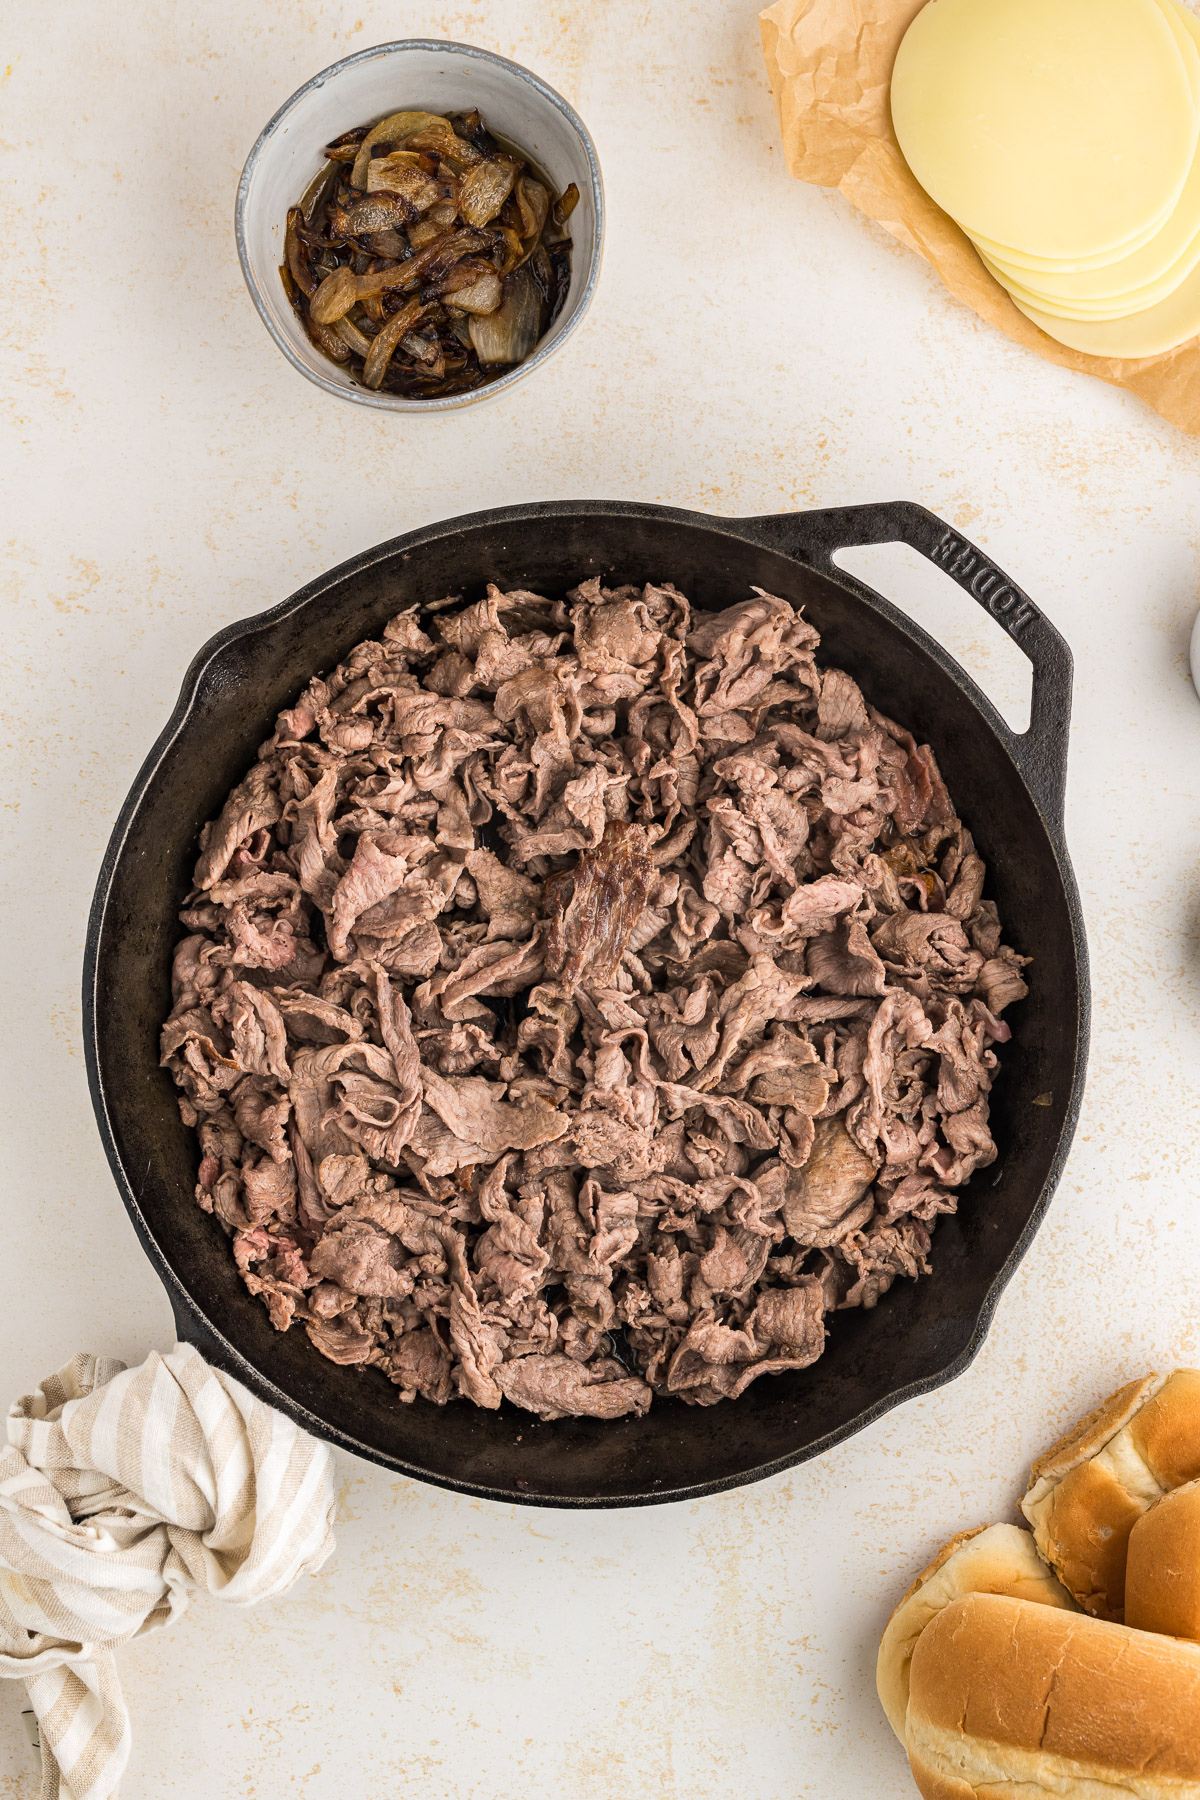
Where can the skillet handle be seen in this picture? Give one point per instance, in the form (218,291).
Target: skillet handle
(1040,752)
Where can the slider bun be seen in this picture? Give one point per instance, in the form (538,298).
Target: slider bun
(1162,1580)
(1167,1430)
(998,1559)
(1017,1700)
(1089,1490)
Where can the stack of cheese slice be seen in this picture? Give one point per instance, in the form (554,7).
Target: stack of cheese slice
(1063,136)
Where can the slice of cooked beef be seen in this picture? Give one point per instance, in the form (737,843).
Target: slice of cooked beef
(831,1195)
(579,1002)
(593,909)
(557,1387)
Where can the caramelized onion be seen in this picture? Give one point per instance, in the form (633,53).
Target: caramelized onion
(533,204)
(344,149)
(395,130)
(427,256)
(335,296)
(388,244)
(408,180)
(329,339)
(356,341)
(383,344)
(484,190)
(440,137)
(509,334)
(424,232)
(382,212)
(473,287)
(426,351)
(293,253)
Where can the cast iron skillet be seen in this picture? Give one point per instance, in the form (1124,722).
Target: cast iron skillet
(1009,789)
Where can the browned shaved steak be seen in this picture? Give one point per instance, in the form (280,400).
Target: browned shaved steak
(579,1002)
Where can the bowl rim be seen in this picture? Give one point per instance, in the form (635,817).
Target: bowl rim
(400,402)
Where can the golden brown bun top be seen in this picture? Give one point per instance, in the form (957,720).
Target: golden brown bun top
(1089,1490)
(1053,1697)
(1081,1525)
(1162,1581)
(999,1559)
(1093,1431)
(938,1561)
(1166,1431)
(1163,1414)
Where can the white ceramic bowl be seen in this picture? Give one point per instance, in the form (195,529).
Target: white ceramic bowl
(443,77)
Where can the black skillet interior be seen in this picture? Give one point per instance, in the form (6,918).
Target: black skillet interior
(923,1332)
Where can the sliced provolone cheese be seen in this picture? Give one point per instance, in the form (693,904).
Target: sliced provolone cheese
(1172,322)
(1063,305)
(1091,292)
(1061,128)
(1136,280)
(1035,264)
(1186,27)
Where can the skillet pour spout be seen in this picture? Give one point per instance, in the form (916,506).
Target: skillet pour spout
(1008,787)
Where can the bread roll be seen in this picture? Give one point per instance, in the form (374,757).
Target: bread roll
(1012,1699)
(997,1559)
(1089,1490)
(1162,1578)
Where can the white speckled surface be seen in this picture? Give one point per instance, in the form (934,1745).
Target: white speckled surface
(752,347)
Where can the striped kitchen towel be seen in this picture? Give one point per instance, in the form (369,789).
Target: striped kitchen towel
(122,1492)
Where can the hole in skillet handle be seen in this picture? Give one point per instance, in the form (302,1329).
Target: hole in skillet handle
(932,599)
(1040,752)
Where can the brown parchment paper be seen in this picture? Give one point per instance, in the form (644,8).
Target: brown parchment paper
(830,65)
